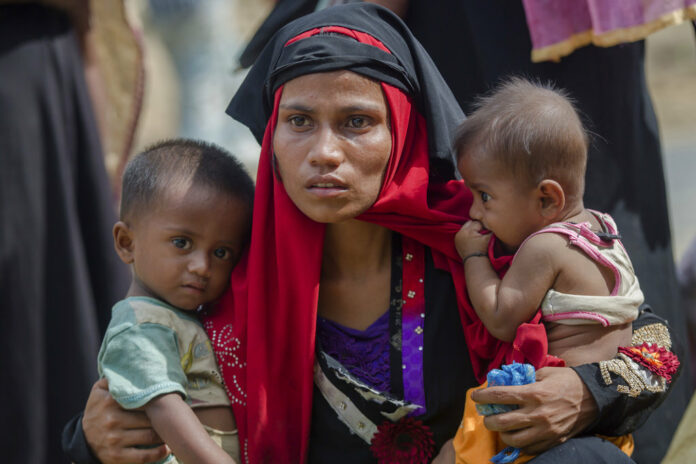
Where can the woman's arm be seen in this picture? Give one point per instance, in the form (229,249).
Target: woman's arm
(624,401)
(589,398)
(108,434)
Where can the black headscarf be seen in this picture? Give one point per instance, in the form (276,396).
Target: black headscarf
(408,68)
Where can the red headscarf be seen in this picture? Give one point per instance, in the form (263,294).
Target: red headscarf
(264,328)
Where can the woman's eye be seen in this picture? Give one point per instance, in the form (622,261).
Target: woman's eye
(357,122)
(485,197)
(298,121)
(222,253)
(182,243)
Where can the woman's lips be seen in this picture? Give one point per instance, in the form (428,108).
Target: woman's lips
(326,187)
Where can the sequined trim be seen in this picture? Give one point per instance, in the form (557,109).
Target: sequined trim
(637,377)
(653,333)
(413,323)
(228,352)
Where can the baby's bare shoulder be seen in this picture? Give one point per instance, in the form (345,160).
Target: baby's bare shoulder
(545,244)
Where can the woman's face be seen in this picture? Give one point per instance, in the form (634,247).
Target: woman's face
(332,144)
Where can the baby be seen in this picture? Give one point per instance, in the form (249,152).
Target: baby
(523,154)
(185,219)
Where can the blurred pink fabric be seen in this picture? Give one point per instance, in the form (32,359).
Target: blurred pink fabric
(557,27)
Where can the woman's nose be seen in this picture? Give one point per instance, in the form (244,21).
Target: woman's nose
(199,264)
(326,150)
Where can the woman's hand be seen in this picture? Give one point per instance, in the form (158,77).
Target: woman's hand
(470,240)
(112,432)
(553,409)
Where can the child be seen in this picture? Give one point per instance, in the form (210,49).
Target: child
(522,154)
(185,220)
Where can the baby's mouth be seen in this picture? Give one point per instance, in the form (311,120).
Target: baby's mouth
(195,287)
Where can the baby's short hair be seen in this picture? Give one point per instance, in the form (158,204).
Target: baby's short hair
(531,129)
(172,162)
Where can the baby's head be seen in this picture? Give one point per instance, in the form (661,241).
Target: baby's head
(185,219)
(522,153)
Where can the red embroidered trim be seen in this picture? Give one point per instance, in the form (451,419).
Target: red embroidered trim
(407,441)
(657,359)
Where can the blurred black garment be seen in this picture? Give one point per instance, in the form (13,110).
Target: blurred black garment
(283,12)
(475,44)
(59,275)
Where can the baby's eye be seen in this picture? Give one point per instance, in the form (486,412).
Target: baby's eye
(182,243)
(485,197)
(222,253)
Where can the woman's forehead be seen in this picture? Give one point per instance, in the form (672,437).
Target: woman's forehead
(332,86)
(333,78)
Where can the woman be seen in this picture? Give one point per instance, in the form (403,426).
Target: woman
(355,212)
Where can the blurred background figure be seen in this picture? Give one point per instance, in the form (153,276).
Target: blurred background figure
(683,446)
(59,275)
(198,41)
(85,84)
(686,274)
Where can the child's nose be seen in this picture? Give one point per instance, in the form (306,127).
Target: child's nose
(200,264)
(475,211)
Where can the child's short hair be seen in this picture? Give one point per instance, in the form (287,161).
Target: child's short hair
(531,129)
(171,162)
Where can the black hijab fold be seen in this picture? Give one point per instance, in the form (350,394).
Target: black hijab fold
(408,67)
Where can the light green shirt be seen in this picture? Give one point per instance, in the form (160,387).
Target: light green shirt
(151,348)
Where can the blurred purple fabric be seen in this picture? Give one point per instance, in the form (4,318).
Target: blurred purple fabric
(554,21)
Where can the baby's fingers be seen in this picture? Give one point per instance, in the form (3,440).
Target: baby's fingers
(474,226)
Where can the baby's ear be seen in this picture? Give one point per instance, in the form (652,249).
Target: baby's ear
(551,198)
(123,242)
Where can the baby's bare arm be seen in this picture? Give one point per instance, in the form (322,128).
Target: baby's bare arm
(502,305)
(178,426)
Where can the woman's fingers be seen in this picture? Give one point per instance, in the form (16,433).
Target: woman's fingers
(517,394)
(509,421)
(134,455)
(138,437)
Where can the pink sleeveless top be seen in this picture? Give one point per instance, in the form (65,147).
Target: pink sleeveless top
(606,249)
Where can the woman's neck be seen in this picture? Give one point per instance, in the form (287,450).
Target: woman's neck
(355,249)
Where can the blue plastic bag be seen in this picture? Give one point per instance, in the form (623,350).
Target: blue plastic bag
(509,374)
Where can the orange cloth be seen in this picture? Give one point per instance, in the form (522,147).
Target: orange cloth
(475,444)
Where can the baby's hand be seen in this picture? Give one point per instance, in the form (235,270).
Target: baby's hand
(469,239)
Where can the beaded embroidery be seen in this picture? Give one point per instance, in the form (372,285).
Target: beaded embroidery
(637,377)
(226,350)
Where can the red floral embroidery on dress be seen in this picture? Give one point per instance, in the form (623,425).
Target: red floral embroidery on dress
(408,441)
(657,359)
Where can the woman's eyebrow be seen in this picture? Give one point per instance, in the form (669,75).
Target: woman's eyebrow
(361,107)
(296,107)
(352,108)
